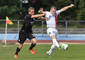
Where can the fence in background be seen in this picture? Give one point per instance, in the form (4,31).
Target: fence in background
(68,30)
(39,27)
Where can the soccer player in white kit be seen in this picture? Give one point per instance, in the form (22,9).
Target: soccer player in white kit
(51,20)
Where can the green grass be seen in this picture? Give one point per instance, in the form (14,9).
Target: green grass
(75,52)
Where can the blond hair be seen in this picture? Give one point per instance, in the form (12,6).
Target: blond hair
(30,8)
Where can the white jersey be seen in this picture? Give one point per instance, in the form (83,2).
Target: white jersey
(52,20)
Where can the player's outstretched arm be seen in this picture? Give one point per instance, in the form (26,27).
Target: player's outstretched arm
(41,11)
(37,15)
(42,18)
(67,7)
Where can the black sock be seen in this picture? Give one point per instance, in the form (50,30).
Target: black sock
(32,45)
(17,50)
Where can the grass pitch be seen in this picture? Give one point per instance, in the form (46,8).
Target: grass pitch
(75,52)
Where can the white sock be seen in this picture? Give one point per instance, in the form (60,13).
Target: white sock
(52,48)
(55,42)
(54,45)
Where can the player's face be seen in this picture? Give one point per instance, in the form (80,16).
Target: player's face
(32,12)
(53,11)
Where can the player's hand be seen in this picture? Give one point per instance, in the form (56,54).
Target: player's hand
(71,5)
(40,10)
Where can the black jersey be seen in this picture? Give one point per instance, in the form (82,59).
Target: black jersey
(26,30)
(27,26)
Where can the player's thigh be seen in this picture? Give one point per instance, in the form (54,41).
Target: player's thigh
(49,31)
(32,38)
(56,33)
(22,37)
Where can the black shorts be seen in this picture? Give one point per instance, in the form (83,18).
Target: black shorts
(23,36)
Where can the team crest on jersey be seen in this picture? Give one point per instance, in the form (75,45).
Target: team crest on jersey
(50,17)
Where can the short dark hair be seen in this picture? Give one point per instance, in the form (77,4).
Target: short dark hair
(53,7)
(30,8)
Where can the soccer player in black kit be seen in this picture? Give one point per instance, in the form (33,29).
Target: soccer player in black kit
(26,31)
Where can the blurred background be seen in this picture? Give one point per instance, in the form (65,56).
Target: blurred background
(71,23)
(16,9)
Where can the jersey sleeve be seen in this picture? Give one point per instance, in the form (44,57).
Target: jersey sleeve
(27,20)
(58,12)
(46,14)
(27,17)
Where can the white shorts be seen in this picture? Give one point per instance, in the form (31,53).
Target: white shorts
(52,31)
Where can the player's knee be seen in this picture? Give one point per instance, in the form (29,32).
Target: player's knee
(54,43)
(54,46)
(34,41)
(20,45)
(53,37)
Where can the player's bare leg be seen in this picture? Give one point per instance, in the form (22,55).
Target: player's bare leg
(18,50)
(33,41)
(54,45)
